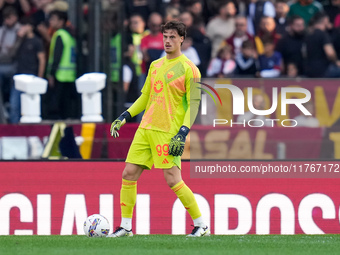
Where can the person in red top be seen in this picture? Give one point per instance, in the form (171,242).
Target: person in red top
(152,44)
(239,36)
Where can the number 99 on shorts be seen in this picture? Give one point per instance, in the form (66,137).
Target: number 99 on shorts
(162,149)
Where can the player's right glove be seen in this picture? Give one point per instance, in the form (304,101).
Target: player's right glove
(118,123)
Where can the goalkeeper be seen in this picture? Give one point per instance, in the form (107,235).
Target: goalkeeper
(169,96)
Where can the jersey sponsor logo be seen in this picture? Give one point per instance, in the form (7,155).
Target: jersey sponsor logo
(157,99)
(170,74)
(165,161)
(158,86)
(122,204)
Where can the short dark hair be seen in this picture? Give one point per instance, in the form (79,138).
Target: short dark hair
(248,44)
(179,26)
(8,11)
(293,18)
(268,39)
(223,3)
(27,20)
(317,18)
(60,14)
(189,3)
(221,50)
(135,14)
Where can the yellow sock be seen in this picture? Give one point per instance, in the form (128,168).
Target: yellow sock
(128,195)
(187,198)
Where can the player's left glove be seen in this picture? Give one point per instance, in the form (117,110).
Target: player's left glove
(118,123)
(176,145)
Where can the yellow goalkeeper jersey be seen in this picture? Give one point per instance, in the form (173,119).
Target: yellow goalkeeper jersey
(170,85)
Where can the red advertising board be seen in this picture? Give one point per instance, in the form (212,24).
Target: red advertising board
(55,198)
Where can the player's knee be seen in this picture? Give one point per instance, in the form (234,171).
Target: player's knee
(130,173)
(172,176)
(170,180)
(171,183)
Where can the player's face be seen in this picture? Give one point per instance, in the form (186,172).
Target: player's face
(172,41)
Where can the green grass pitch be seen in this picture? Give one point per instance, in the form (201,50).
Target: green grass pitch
(167,244)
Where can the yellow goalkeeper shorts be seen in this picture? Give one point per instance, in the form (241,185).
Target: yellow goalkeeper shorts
(150,147)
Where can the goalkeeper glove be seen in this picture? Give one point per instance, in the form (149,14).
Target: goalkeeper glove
(118,123)
(176,145)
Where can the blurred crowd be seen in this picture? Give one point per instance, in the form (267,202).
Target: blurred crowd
(36,38)
(254,38)
(235,38)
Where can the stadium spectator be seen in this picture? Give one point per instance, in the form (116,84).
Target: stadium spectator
(40,10)
(333,11)
(190,52)
(62,69)
(140,7)
(239,36)
(30,60)
(267,29)
(22,7)
(246,60)
(320,57)
(255,10)
(222,26)
(337,21)
(130,79)
(152,44)
(40,19)
(292,70)
(290,45)
(307,120)
(187,18)
(171,13)
(9,45)
(306,9)
(210,9)
(281,9)
(195,8)
(116,48)
(137,29)
(270,61)
(200,41)
(44,29)
(336,40)
(223,64)
(176,4)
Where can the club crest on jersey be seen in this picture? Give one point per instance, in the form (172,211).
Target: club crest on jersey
(158,86)
(170,74)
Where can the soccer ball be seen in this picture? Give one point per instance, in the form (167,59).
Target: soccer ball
(96,225)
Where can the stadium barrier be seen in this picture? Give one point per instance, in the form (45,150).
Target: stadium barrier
(54,198)
(25,142)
